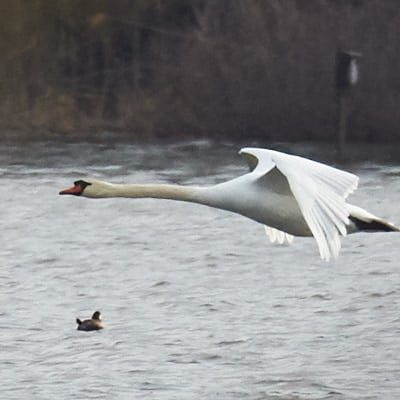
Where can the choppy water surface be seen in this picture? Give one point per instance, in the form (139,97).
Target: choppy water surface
(197,304)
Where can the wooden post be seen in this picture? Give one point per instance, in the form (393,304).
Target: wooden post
(342,112)
(136,70)
(346,78)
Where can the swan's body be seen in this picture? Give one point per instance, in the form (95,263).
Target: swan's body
(290,195)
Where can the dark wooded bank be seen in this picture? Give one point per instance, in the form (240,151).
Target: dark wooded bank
(176,68)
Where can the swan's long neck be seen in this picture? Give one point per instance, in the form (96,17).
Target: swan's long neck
(158,191)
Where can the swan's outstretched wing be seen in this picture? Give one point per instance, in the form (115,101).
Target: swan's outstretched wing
(319,190)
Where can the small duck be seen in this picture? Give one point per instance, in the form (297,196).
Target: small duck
(92,324)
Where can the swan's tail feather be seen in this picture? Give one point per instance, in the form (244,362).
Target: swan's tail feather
(374,225)
(367,222)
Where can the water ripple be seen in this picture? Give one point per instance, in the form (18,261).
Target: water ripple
(195,302)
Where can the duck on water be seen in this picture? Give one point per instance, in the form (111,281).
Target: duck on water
(93,324)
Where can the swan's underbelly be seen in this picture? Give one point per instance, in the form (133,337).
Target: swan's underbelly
(278,211)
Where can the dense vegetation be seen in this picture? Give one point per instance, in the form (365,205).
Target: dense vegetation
(186,68)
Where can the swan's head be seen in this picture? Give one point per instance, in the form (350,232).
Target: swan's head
(89,188)
(78,188)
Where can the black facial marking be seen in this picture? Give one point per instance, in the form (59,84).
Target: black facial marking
(83,184)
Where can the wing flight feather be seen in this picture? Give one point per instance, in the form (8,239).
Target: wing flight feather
(319,190)
(276,236)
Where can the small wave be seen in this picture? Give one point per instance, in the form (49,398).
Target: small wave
(161,283)
(380,272)
(178,358)
(209,357)
(377,294)
(321,296)
(209,306)
(231,342)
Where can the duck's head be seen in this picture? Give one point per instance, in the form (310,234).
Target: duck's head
(96,315)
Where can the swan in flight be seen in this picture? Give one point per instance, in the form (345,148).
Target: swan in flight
(290,195)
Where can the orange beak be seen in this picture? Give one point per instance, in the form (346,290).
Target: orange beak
(75,190)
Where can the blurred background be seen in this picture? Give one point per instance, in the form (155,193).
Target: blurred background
(180,69)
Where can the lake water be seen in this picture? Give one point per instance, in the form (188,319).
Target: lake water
(197,303)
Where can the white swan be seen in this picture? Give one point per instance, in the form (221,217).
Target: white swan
(290,195)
